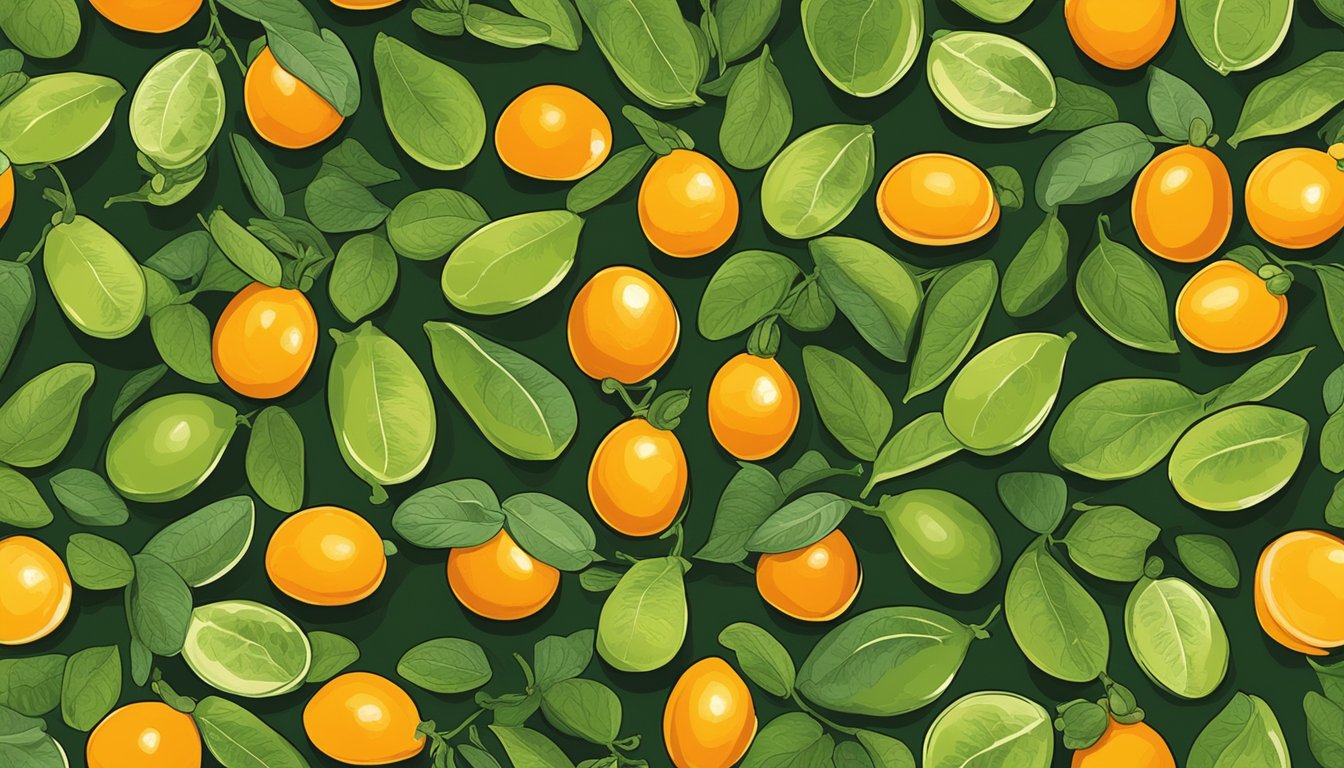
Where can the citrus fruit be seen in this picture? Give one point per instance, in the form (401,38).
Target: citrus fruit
(146,734)
(637,480)
(363,5)
(1226,307)
(815,583)
(147,15)
(35,590)
(552,132)
(264,341)
(1299,591)
(6,190)
(1295,197)
(1135,745)
(937,199)
(1182,204)
(326,556)
(753,406)
(283,109)
(360,718)
(1120,34)
(246,648)
(687,204)
(498,580)
(622,325)
(709,720)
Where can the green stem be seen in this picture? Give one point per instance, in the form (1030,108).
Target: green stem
(822,718)
(527,672)
(218,29)
(678,540)
(69,208)
(867,508)
(745,567)
(994,614)
(462,726)
(1162,140)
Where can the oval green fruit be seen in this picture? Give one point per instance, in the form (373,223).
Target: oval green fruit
(643,621)
(1176,637)
(1002,396)
(178,108)
(995,11)
(1235,35)
(381,409)
(97,283)
(1237,458)
(512,262)
(1055,621)
(246,649)
(863,46)
(994,729)
(1245,733)
(813,184)
(943,538)
(990,80)
(167,447)
(55,117)
(886,662)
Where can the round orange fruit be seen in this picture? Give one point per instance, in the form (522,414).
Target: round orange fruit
(753,406)
(1295,197)
(554,133)
(937,199)
(360,718)
(814,583)
(1182,204)
(637,481)
(1299,591)
(146,734)
(6,192)
(147,15)
(1226,308)
(710,719)
(687,204)
(363,5)
(622,325)
(283,109)
(326,556)
(498,580)
(1126,746)
(35,590)
(264,341)
(1120,34)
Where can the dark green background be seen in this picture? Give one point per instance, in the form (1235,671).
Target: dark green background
(414,603)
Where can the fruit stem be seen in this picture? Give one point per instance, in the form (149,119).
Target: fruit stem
(821,718)
(1162,140)
(218,28)
(527,672)
(68,209)
(462,726)
(994,614)
(637,410)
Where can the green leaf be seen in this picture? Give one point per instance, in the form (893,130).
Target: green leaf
(429,223)
(1038,500)
(790,739)
(763,660)
(643,622)
(566,31)
(743,290)
(135,387)
(512,262)
(43,29)
(336,203)
(91,687)
(800,523)
(98,563)
(275,459)
(362,277)
(758,115)
(504,29)
(852,407)
(1008,189)
(1057,624)
(208,543)
(921,443)
(1237,458)
(876,292)
(1175,105)
(352,159)
(1078,106)
(1209,559)
(1332,443)
(955,310)
(884,751)
(158,605)
(550,530)
(812,468)
(1003,395)
(182,336)
(659,136)
(20,504)
(1111,542)
(17,299)
(1245,732)
(1123,427)
(744,25)
(752,495)
(520,407)
(1092,164)
(243,248)
(609,179)
(432,111)
(37,420)
(239,739)
(332,654)
(650,47)
(55,117)
(583,709)
(31,685)
(1261,380)
(260,182)
(317,58)
(88,498)
(1123,294)
(446,665)
(458,513)
(863,48)
(560,657)
(1286,102)
(817,180)
(527,748)
(993,727)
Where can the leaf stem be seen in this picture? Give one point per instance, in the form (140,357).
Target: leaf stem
(218,28)
(462,726)
(994,614)
(822,718)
